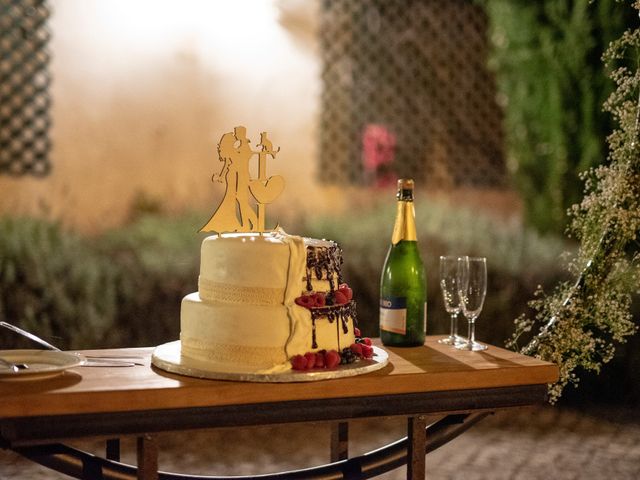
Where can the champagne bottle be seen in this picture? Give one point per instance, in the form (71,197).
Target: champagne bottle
(403,289)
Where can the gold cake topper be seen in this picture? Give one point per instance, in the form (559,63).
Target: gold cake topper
(236,212)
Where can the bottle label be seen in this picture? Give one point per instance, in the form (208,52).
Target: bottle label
(393,314)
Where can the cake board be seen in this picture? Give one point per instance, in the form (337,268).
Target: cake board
(169,357)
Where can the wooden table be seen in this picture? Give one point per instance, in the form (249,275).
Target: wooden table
(456,387)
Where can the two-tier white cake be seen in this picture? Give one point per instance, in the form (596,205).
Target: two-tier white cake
(270,306)
(245,312)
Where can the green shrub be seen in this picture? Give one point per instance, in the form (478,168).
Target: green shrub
(124,287)
(53,283)
(120,289)
(158,263)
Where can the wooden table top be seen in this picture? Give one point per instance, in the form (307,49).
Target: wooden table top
(431,368)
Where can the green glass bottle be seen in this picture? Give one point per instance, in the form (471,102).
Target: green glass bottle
(403,286)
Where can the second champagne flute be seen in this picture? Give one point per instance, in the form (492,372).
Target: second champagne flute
(472,288)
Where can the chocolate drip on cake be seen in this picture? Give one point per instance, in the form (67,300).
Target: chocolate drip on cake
(324,263)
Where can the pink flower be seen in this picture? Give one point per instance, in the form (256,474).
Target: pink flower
(378,153)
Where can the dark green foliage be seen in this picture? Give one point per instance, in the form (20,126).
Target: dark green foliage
(580,324)
(124,287)
(53,283)
(547,57)
(120,289)
(158,263)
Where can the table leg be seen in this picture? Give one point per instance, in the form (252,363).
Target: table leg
(416,451)
(113,449)
(339,441)
(147,458)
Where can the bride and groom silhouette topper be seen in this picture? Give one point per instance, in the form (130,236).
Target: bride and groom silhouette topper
(236,212)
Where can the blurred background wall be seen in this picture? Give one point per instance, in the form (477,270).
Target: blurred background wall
(142,92)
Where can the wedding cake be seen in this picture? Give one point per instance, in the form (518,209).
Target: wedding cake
(264,298)
(268,303)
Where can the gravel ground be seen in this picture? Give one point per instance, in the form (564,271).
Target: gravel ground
(533,443)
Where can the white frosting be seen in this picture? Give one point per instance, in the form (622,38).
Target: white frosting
(251,334)
(245,312)
(248,260)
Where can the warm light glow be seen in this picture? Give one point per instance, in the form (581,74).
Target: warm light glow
(144,89)
(231,34)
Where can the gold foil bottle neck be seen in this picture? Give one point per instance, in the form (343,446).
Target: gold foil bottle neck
(405,225)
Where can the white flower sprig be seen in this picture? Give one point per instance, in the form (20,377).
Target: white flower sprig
(579,324)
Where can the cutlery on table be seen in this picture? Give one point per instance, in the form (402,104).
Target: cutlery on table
(92,360)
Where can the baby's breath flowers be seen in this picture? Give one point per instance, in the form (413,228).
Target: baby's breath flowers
(579,324)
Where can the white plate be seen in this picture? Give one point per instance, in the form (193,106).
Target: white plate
(169,357)
(42,363)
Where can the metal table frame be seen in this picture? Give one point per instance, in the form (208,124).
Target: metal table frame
(434,418)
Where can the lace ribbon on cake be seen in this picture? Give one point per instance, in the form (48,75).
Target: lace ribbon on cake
(259,357)
(224,293)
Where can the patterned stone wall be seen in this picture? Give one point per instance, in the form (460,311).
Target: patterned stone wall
(24,83)
(407,92)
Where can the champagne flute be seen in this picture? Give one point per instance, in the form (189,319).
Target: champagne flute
(449,287)
(472,288)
